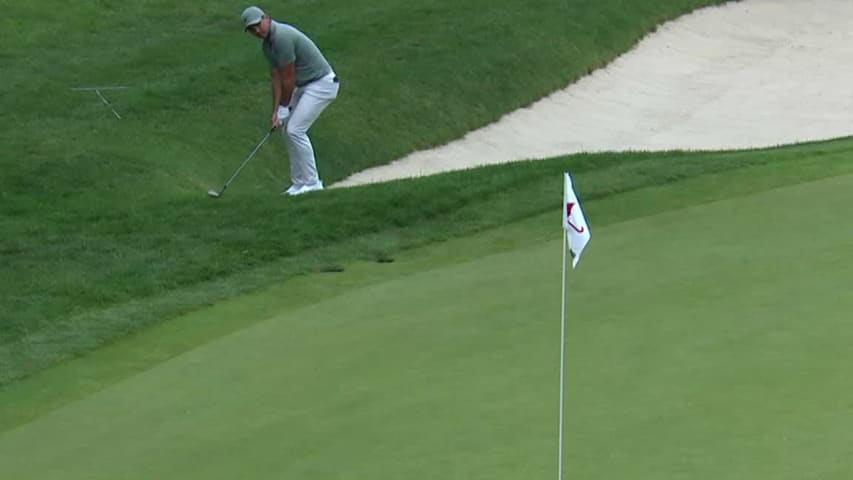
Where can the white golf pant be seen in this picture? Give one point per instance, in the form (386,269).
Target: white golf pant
(306,105)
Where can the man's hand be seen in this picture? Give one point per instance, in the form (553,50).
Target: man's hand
(279,117)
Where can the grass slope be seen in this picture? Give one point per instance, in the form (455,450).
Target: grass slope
(90,285)
(105,225)
(142,276)
(699,333)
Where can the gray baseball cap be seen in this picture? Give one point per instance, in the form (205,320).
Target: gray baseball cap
(251,16)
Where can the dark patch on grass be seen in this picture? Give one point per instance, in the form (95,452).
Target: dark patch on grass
(332,269)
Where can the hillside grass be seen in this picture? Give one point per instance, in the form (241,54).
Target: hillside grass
(365,332)
(105,224)
(190,263)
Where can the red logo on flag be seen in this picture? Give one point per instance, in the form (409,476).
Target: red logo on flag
(569,207)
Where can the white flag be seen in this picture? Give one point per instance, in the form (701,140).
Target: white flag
(577,231)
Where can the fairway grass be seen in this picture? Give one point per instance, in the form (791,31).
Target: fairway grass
(704,342)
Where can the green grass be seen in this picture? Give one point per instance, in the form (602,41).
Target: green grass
(709,329)
(149,332)
(105,224)
(87,287)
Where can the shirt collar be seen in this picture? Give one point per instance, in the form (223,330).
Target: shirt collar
(271,31)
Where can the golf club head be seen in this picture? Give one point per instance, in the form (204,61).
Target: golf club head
(213,193)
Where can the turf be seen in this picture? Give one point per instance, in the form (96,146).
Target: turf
(106,224)
(147,331)
(696,334)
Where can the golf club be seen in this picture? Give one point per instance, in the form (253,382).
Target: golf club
(213,193)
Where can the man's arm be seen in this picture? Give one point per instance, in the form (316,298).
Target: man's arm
(282,81)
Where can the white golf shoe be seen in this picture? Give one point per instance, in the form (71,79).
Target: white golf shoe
(291,190)
(311,187)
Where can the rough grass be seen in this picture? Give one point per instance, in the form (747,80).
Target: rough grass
(105,222)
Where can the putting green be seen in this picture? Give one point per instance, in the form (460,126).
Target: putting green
(708,342)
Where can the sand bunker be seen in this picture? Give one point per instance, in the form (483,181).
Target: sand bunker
(750,74)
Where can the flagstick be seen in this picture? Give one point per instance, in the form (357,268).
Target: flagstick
(562,365)
(575,238)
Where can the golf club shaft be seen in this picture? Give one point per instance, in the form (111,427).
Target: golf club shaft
(237,172)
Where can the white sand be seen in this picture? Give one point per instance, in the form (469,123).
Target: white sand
(750,74)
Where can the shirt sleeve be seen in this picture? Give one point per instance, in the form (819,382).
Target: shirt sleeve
(283,51)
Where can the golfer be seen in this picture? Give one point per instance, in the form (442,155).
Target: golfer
(303,85)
